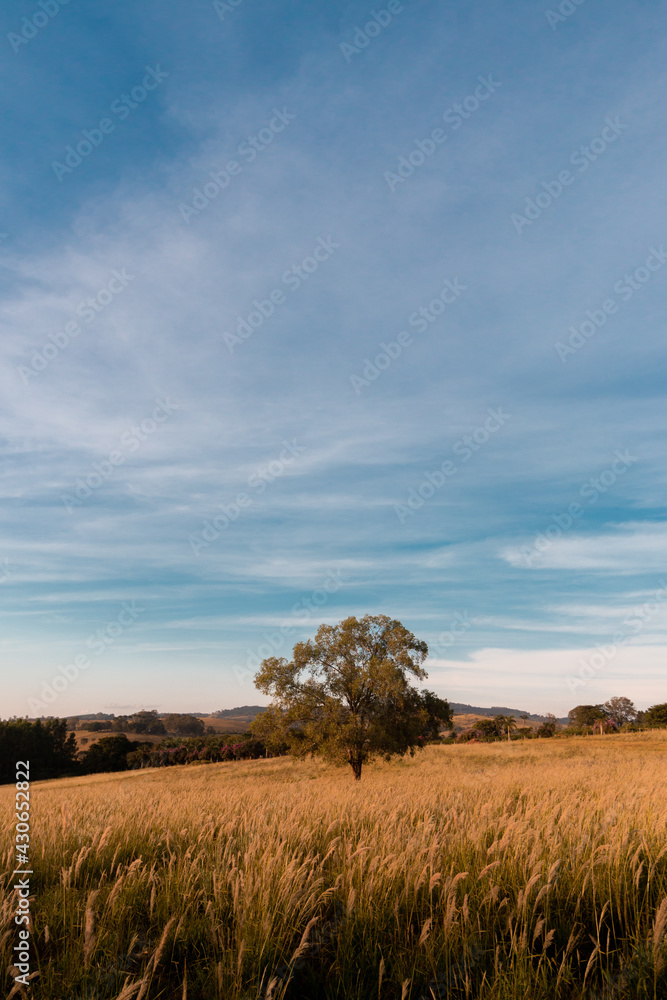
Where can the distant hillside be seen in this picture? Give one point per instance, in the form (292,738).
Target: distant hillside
(250,711)
(198,715)
(237,719)
(94,716)
(244,710)
(460,709)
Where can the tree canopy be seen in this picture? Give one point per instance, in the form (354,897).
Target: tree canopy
(146,722)
(109,754)
(586,715)
(549,727)
(656,716)
(506,723)
(184,725)
(45,743)
(490,729)
(620,710)
(346,694)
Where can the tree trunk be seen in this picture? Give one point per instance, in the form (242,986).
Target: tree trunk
(355,764)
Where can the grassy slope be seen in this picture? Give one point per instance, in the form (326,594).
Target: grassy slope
(230,724)
(465,868)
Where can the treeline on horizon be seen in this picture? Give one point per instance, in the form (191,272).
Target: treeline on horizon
(249,711)
(148,723)
(53,752)
(243,711)
(617,715)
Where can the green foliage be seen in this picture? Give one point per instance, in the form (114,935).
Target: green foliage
(184,725)
(656,716)
(468,735)
(45,743)
(506,724)
(214,749)
(586,715)
(146,722)
(109,754)
(549,727)
(95,727)
(488,729)
(346,694)
(620,710)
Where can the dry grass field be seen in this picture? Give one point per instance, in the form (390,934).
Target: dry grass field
(532,870)
(228,724)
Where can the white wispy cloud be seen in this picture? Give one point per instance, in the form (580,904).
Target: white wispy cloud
(630,547)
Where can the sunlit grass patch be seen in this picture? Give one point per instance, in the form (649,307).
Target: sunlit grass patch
(534,869)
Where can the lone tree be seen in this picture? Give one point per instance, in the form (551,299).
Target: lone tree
(506,723)
(488,728)
(346,694)
(620,710)
(549,727)
(586,715)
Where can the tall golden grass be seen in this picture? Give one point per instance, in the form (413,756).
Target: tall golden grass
(533,870)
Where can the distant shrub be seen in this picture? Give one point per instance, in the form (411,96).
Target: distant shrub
(206,748)
(469,734)
(110,754)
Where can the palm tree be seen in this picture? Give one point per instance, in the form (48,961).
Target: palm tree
(506,722)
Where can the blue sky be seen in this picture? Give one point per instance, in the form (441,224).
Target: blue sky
(370,368)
